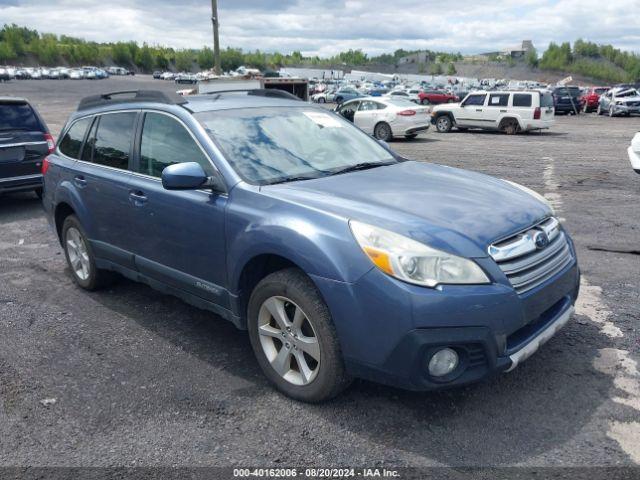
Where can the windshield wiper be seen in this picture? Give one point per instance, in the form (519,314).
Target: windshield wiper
(291,179)
(362,166)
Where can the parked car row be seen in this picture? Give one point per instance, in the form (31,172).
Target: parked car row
(8,73)
(414,93)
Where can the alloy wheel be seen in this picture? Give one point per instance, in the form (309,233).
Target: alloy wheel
(78,254)
(288,340)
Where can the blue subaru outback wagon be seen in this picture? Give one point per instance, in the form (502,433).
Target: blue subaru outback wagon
(339,257)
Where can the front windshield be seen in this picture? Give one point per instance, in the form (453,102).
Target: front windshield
(270,145)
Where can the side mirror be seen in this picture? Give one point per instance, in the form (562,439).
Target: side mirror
(190,176)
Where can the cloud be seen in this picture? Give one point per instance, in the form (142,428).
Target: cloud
(325,27)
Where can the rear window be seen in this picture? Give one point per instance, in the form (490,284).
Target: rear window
(568,91)
(523,100)
(18,116)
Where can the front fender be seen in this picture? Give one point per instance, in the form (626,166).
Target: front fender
(319,243)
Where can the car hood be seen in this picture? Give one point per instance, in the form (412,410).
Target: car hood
(454,210)
(445,106)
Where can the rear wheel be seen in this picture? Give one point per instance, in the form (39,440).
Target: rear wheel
(294,339)
(80,257)
(444,124)
(321,100)
(383,132)
(510,126)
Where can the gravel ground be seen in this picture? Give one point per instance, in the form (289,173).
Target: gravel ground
(130,377)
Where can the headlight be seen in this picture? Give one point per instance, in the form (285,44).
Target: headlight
(412,261)
(533,193)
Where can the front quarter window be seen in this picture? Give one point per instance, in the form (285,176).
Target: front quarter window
(269,145)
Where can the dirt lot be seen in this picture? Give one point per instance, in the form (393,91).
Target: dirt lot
(142,379)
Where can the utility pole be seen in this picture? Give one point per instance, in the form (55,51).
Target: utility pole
(216,38)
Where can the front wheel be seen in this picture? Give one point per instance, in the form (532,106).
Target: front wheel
(599,110)
(611,112)
(383,132)
(444,124)
(294,339)
(321,100)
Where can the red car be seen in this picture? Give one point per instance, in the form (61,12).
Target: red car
(436,97)
(591,98)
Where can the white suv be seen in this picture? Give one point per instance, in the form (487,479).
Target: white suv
(507,111)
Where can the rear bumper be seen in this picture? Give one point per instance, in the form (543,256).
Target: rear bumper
(20,184)
(625,109)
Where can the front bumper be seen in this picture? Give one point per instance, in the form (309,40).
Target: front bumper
(389,330)
(20,184)
(627,110)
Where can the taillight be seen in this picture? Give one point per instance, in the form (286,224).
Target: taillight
(536,113)
(45,165)
(51,143)
(407,113)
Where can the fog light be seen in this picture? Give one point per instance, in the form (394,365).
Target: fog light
(443,362)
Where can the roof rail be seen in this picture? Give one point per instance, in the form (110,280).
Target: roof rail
(261,92)
(156,96)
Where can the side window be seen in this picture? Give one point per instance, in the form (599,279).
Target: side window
(113,140)
(166,142)
(71,143)
(498,100)
(364,106)
(521,100)
(477,100)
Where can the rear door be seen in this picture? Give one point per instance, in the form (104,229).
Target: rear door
(368,115)
(497,107)
(23,144)
(101,179)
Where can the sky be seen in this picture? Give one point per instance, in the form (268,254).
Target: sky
(326,27)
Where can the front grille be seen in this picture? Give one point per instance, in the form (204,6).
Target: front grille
(528,260)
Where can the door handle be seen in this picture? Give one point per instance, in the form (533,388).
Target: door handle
(503,111)
(478,109)
(80,181)
(138,198)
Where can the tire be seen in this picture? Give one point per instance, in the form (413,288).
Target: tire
(510,127)
(411,136)
(383,132)
(611,114)
(338,100)
(585,108)
(424,101)
(321,100)
(444,124)
(292,293)
(38,192)
(450,100)
(91,277)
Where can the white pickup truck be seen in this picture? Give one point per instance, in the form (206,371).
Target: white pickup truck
(507,111)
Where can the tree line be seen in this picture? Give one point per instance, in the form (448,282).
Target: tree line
(18,44)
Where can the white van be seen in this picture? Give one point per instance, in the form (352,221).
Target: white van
(507,111)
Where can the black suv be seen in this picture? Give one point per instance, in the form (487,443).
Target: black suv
(24,143)
(567,100)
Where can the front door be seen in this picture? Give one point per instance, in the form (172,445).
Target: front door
(179,235)
(471,111)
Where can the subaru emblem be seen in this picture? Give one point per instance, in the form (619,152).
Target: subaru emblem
(541,240)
